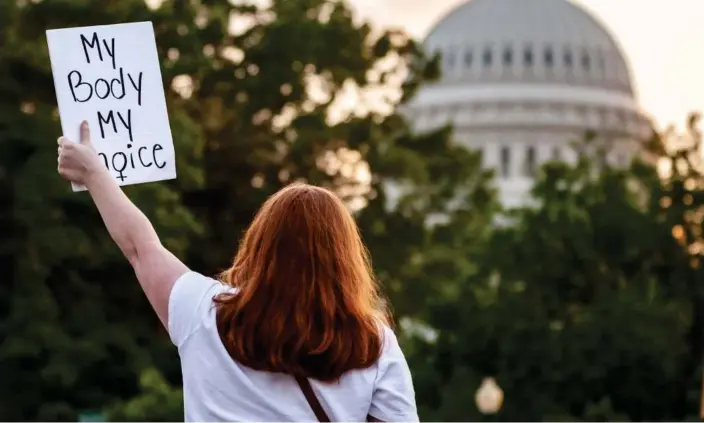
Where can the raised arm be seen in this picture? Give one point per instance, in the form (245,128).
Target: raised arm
(156,268)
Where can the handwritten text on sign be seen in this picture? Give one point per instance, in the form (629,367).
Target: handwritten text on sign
(109,75)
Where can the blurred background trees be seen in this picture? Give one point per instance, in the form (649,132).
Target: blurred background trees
(588,306)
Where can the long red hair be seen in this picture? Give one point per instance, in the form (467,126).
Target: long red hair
(307,303)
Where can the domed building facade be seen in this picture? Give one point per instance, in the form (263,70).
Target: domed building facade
(523,79)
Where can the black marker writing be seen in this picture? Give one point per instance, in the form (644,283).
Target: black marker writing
(121,161)
(120,168)
(95,44)
(109,118)
(158,147)
(75,81)
(83,91)
(137,86)
(116,84)
(121,85)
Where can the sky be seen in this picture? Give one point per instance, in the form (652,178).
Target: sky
(663,40)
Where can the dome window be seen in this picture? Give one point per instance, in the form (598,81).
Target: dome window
(528,57)
(508,56)
(586,61)
(548,57)
(556,154)
(505,167)
(450,59)
(487,57)
(530,163)
(468,58)
(568,59)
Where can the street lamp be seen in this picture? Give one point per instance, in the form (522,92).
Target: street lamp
(489,396)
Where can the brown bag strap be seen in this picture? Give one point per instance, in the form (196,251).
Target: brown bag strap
(312,399)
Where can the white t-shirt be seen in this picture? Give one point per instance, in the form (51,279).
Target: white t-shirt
(217,388)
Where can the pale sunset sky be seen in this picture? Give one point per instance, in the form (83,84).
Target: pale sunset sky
(663,40)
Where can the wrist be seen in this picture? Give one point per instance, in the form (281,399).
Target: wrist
(93,172)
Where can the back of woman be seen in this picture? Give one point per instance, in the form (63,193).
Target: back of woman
(299,300)
(218,388)
(294,330)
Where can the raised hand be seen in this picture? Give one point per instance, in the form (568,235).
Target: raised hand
(78,161)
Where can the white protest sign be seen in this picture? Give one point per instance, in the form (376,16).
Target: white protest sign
(109,76)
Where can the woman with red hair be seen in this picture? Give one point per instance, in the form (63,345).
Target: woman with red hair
(294,330)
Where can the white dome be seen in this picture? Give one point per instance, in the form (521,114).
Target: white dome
(521,80)
(544,41)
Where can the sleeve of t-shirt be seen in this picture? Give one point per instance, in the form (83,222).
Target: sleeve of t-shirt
(189,302)
(394,398)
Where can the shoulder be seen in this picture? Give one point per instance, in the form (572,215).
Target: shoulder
(190,301)
(391,352)
(394,395)
(390,347)
(389,341)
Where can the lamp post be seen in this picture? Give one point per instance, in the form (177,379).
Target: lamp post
(489,396)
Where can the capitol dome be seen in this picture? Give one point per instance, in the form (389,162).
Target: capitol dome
(521,80)
(528,40)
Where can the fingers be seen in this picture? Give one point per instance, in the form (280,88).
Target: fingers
(67,150)
(64,145)
(67,174)
(60,155)
(85,133)
(59,149)
(64,142)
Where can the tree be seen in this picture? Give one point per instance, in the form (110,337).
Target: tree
(75,328)
(581,309)
(157,401)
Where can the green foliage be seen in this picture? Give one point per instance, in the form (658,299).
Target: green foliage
(157,402)
(75,328)
(586,305)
